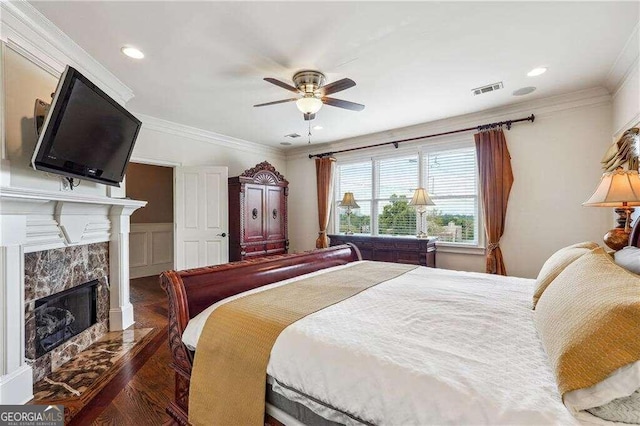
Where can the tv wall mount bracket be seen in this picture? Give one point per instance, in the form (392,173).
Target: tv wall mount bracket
(40,111)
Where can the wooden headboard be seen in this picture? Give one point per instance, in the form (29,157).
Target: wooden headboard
(192,291)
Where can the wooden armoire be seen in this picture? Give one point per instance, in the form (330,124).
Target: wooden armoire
(258,213)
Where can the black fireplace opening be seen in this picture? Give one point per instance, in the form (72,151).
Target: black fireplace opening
(63,315)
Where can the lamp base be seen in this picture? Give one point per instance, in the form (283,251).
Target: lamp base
(349,232)
(624,214)
(422,235)
(617,238)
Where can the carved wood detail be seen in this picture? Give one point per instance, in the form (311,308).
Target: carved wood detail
(264,173)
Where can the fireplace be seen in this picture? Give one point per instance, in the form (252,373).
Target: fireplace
(66,304)
(51,242)
(63,315)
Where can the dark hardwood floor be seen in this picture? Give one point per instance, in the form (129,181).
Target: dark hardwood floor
(139,393)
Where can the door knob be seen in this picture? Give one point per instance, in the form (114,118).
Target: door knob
(224,234)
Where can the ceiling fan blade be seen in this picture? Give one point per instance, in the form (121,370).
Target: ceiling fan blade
(281,84)
(342,104)
(308,117)
(277,102)
(337,86)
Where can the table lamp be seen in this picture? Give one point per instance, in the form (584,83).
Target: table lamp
(420,201)
(621,189)
(349,203)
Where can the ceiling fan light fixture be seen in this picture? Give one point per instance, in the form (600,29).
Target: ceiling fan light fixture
(309,104)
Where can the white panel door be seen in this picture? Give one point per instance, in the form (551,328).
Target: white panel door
(201,216)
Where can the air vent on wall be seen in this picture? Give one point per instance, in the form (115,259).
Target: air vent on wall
(292,135)
(486,89)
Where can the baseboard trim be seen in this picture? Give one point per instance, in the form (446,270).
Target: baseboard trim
(121,318)
(17,386)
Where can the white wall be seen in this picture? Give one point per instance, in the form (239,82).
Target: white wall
(150,249)
(626,101)
(165,141)
(556,163)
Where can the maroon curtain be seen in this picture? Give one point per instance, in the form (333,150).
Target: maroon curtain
(496,178)
(324,183)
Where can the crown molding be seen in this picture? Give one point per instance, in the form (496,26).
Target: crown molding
(25,30)
(625,61)
(543,107)
(224,141)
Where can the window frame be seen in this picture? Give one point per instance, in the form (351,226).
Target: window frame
(420,151)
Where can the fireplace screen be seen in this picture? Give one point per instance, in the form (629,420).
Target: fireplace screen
(61,316)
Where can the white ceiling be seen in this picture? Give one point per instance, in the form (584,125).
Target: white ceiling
(412,62)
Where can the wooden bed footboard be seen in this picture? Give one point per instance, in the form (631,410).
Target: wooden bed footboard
(192,291)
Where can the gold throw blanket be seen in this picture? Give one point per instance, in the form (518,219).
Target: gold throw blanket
(230,368)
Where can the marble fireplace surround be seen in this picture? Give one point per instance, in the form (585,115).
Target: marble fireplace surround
(50,272)
(32,221)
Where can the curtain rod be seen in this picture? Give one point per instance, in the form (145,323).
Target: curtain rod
(481,127)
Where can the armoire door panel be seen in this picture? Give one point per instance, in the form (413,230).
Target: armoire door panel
(275,213)
(253,213)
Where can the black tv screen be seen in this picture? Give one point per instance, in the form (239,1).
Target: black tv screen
(86,134)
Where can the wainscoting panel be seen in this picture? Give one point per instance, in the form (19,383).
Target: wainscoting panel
(150,249)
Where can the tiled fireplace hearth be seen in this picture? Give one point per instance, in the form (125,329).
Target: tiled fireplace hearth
(51,242)
(61,322)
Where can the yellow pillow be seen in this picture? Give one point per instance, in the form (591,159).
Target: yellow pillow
(556,264)
(589,321)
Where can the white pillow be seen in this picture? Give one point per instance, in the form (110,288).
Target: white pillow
(620,384)
(629,258)
(621,410)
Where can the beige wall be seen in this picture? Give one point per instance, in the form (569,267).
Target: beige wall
(186,151)
(153,184)
(24,82)
(556,163)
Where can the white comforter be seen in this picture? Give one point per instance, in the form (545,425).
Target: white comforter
(429,347)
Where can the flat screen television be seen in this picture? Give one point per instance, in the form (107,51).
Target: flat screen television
(86,134)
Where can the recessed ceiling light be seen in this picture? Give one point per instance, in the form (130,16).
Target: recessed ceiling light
(318,127)
(524,91)
(132,52)
(537,71)
(285,143)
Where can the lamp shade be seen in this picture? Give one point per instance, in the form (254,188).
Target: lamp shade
(309,104)
(421,198)
(349,201)
(618,188)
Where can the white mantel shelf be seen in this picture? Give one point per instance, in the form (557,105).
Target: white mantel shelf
(12,193)
(34,220)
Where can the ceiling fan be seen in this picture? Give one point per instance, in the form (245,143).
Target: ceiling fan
(310,84)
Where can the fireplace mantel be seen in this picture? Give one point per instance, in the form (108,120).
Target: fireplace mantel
(33,220)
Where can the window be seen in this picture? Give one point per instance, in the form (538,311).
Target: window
(397,179)
(356,178)
(383,188)
(451,181)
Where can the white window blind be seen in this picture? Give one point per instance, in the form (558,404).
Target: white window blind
(356,178)
(397,180)
(451,181)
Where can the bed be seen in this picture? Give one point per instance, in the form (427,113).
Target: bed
(484,351)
